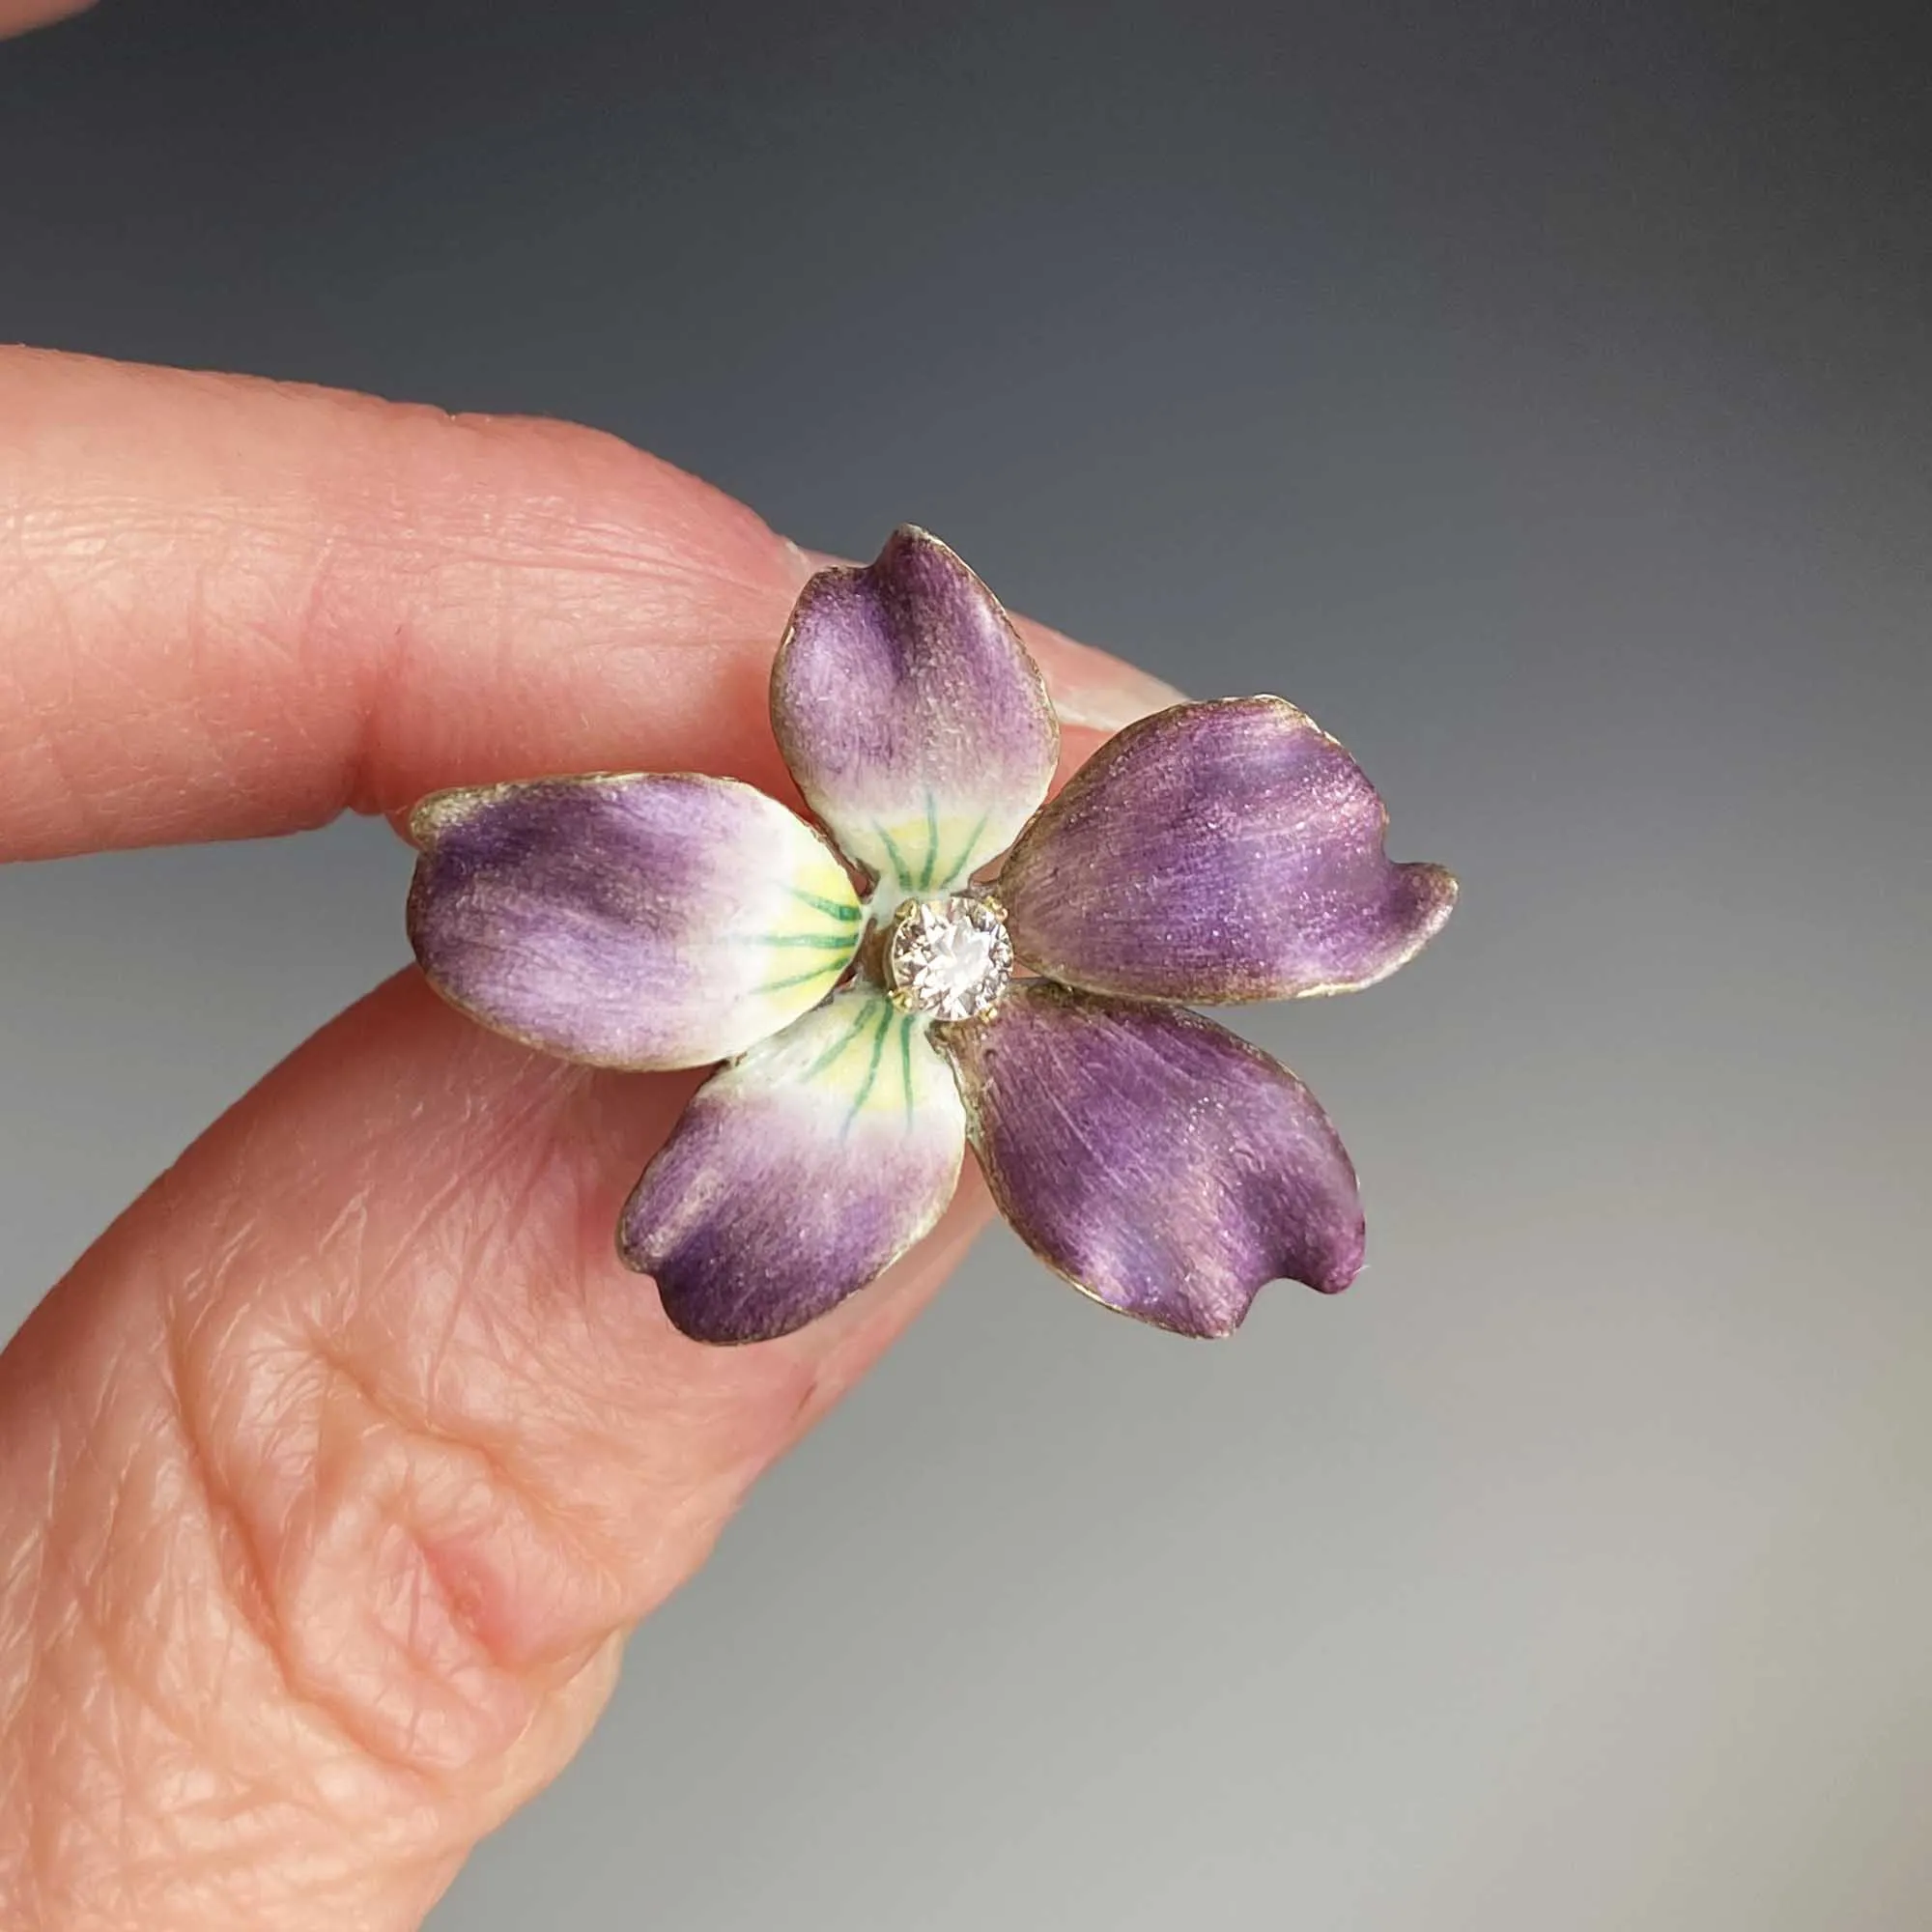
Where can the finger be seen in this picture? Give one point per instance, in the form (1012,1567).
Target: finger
(331,1474)
(338,1461)
(230,607)
(18,15)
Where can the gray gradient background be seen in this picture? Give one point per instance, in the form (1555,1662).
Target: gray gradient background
(1541,397)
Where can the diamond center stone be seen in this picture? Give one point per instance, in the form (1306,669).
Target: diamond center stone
(950,958)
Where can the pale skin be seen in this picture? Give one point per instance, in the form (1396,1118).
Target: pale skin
(334,1476)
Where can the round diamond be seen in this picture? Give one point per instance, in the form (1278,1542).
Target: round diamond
(949,958)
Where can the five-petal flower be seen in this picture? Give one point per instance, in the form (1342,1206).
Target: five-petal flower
(1213,853)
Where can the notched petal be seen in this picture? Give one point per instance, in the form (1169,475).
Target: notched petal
(916,725)
(1219,852)
(1159,1163)
(798,1173)
(642,919)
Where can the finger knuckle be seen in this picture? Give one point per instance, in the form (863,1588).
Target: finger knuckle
(405,1587)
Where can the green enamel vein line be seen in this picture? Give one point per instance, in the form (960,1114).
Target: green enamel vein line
(872,1067)
(894,853)
(931,842)
(848,915)
(828,971)
(905,1063)
(966,851)
(822,942)
(839,1045)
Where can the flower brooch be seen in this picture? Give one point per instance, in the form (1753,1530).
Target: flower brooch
(870,998)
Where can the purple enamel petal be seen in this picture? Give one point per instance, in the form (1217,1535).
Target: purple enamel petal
(641,921)
(1216,853)
(799,1174)
(916,724)
(1156,1161)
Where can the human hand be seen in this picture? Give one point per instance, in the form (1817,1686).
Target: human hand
(333,1476)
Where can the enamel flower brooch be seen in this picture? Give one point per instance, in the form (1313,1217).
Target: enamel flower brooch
(877,1005)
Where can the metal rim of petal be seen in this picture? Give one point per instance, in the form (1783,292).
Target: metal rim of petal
(629,919)
(915,721)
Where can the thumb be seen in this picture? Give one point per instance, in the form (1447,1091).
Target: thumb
(343,1459)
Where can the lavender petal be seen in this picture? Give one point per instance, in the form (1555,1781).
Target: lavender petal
(1157,1162)
(646,920)
(916,725)
(798,1173)
(1217,853)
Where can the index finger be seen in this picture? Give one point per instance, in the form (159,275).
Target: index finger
(231,608)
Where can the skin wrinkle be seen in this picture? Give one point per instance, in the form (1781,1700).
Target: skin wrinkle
(90,1563)
(50,618)
(509,1127)
(596,1571)
(91,1436)
(279,1583)
(23,1606)
(477,1324)
(246,1571)
(76,1603)
(128,1680)
(299,1633)
(535,1113)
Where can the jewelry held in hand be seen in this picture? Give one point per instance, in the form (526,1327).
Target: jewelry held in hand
(879,1003)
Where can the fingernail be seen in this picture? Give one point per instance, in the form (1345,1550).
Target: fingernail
(1092,689)
(1108,707)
